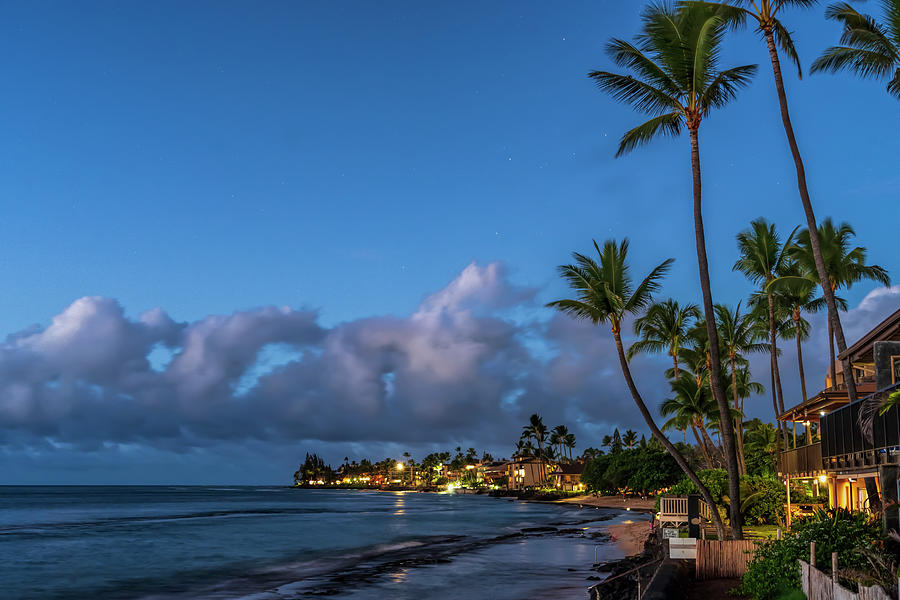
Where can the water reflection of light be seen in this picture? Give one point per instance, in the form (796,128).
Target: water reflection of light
(399,505)
(399,576)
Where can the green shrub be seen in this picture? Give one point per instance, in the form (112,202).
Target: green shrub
(774,570)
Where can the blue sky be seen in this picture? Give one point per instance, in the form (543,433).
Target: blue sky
(354,158)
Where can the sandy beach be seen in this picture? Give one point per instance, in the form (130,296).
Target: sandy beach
(630,535)
(635,504)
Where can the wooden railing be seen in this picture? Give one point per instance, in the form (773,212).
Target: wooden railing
(844,444)
(674,509)
(804,461)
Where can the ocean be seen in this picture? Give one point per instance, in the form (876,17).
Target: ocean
(278,543)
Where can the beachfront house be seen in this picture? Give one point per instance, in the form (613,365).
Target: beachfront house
(567,477)
(827,446)
(495,474)
(524,473)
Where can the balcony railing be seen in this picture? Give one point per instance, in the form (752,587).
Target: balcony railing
(845,446)
(805,461)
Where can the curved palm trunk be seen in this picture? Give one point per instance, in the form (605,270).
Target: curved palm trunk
(738,425)
(800,354)
(777,393)
(675,365)
(833,317)
(669,446)
(715,375)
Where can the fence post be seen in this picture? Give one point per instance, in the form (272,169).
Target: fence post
(812,554)
(834,568)
(778,533)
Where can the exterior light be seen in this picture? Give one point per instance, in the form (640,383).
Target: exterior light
(469,467)
(822,478)
(821,413)
(399,466)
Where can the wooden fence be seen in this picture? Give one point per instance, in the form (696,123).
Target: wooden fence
(723,559)
(820,586)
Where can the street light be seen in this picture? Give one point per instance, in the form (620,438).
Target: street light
(399,466)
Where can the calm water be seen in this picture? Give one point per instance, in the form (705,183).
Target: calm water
(267,543)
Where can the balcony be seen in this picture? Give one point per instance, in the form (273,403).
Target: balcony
(805,461)
(845,447)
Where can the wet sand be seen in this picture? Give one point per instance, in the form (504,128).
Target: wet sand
(630,536)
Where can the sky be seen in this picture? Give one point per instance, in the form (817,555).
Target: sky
(234,233)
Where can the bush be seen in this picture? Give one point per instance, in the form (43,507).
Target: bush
(774,569)
(763,500)
(640,470)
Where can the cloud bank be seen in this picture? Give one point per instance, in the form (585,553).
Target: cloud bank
(463,368)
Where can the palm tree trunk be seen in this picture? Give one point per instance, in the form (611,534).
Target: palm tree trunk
(800,356)
(833,317)
(712,445)
(777,398)
(715,375)
(738,425)
(702,445)
(831,366)
(669,446)
(775,402)
(675,365)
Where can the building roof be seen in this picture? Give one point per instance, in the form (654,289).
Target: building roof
(889,329)
(569,469)
(825,402)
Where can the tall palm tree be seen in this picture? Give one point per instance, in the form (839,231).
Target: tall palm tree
(558,436)
(764,258)
(845,264)
(663,327)
(739,336)
(537,431)
(765,13)
(677,81)
(690,407)
(569,443)
(870,48)
(605,293)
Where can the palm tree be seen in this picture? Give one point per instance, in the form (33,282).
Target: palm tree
(870,48)
(604,293)
(690,407)
(537,431)
(569,443)
(762,443)
(739,336)
(796,292)
(763,259)
(678,82)
(845,265)
(776,35)
(630,439)
(663,327)
(558,437)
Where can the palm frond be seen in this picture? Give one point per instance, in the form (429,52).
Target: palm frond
(725,86)
(630,56)
(643,293)
(785,42)
(893,86)
(639,94)
(669,124)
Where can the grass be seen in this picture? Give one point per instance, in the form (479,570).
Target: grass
(760,532)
